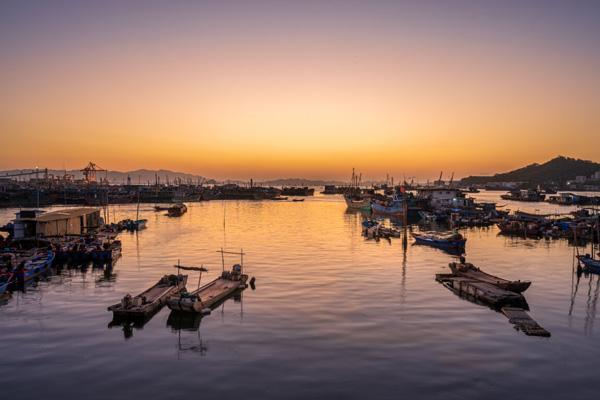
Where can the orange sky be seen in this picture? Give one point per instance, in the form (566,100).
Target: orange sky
(282,91)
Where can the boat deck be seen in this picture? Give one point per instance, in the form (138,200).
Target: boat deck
(213,292)
(481,291)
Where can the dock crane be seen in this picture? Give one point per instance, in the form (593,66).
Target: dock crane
(89,172)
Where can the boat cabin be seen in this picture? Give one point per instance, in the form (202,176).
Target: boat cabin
(70,221)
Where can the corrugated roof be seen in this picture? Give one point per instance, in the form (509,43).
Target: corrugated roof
(63,214)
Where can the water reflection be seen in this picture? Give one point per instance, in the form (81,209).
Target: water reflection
(190,322)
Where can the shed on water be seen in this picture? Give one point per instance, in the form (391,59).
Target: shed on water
(69,221)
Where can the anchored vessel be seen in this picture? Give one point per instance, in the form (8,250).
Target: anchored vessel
(453,240)
(151,300)
(203,298)
(177,210)
(468,270)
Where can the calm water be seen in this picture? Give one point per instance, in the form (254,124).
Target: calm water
(332,316)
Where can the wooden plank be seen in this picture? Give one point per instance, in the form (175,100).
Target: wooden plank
(523,322)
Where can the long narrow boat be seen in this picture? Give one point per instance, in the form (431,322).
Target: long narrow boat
(151,300)
(453,240)
(6,280)
(35,266)
(590,264)
(467,270)
(177,210)
(480,291)
(206,296)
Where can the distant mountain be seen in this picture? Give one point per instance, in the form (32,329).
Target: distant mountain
(558,170)
(301,182)
(141,176)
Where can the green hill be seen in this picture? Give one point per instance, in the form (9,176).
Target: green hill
(557,170)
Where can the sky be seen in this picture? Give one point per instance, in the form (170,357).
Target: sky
(271,89)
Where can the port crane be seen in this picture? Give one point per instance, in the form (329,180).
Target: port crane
(89,172)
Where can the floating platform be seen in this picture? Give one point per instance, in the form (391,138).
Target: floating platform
(523,322)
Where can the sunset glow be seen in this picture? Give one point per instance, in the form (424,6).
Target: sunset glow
(303,89)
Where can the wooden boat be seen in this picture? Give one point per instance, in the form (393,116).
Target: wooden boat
(297,200)
(6,279)
(35,266)
(357,202)
(467,270)
(206,296)
(177,210)
(480,291)
(453,240)
(151,300)
(590,264)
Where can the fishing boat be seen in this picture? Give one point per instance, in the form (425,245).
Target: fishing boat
(590,264)
(395,206)
(357,202)
(450,240)
(177,210)
(135,225)
(467,270)
(151,300)
(35,266)
(205,297)
(480,291)
(297,200)
(6,279)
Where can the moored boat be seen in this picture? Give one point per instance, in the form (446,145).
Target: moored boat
(177,210)
(34,266)
(357,202)
(6,279)
(452,240)
(151,300)
(590,264)
(206,296)
(468,270)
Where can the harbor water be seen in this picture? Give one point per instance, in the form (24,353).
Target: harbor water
(332,315)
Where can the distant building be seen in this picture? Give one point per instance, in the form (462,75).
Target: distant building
(580,179)
(596,176)
(70,221)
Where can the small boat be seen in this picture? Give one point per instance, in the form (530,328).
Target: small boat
(160,208)
(453,240)
(151,300)
(35,266)
(590,264)
(203,298)
(467,270)
(357,202)
(135,225)
(177,210)
(279,198)
(6,279)
(297,200)
(480,291)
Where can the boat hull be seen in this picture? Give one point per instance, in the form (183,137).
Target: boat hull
(590,264)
